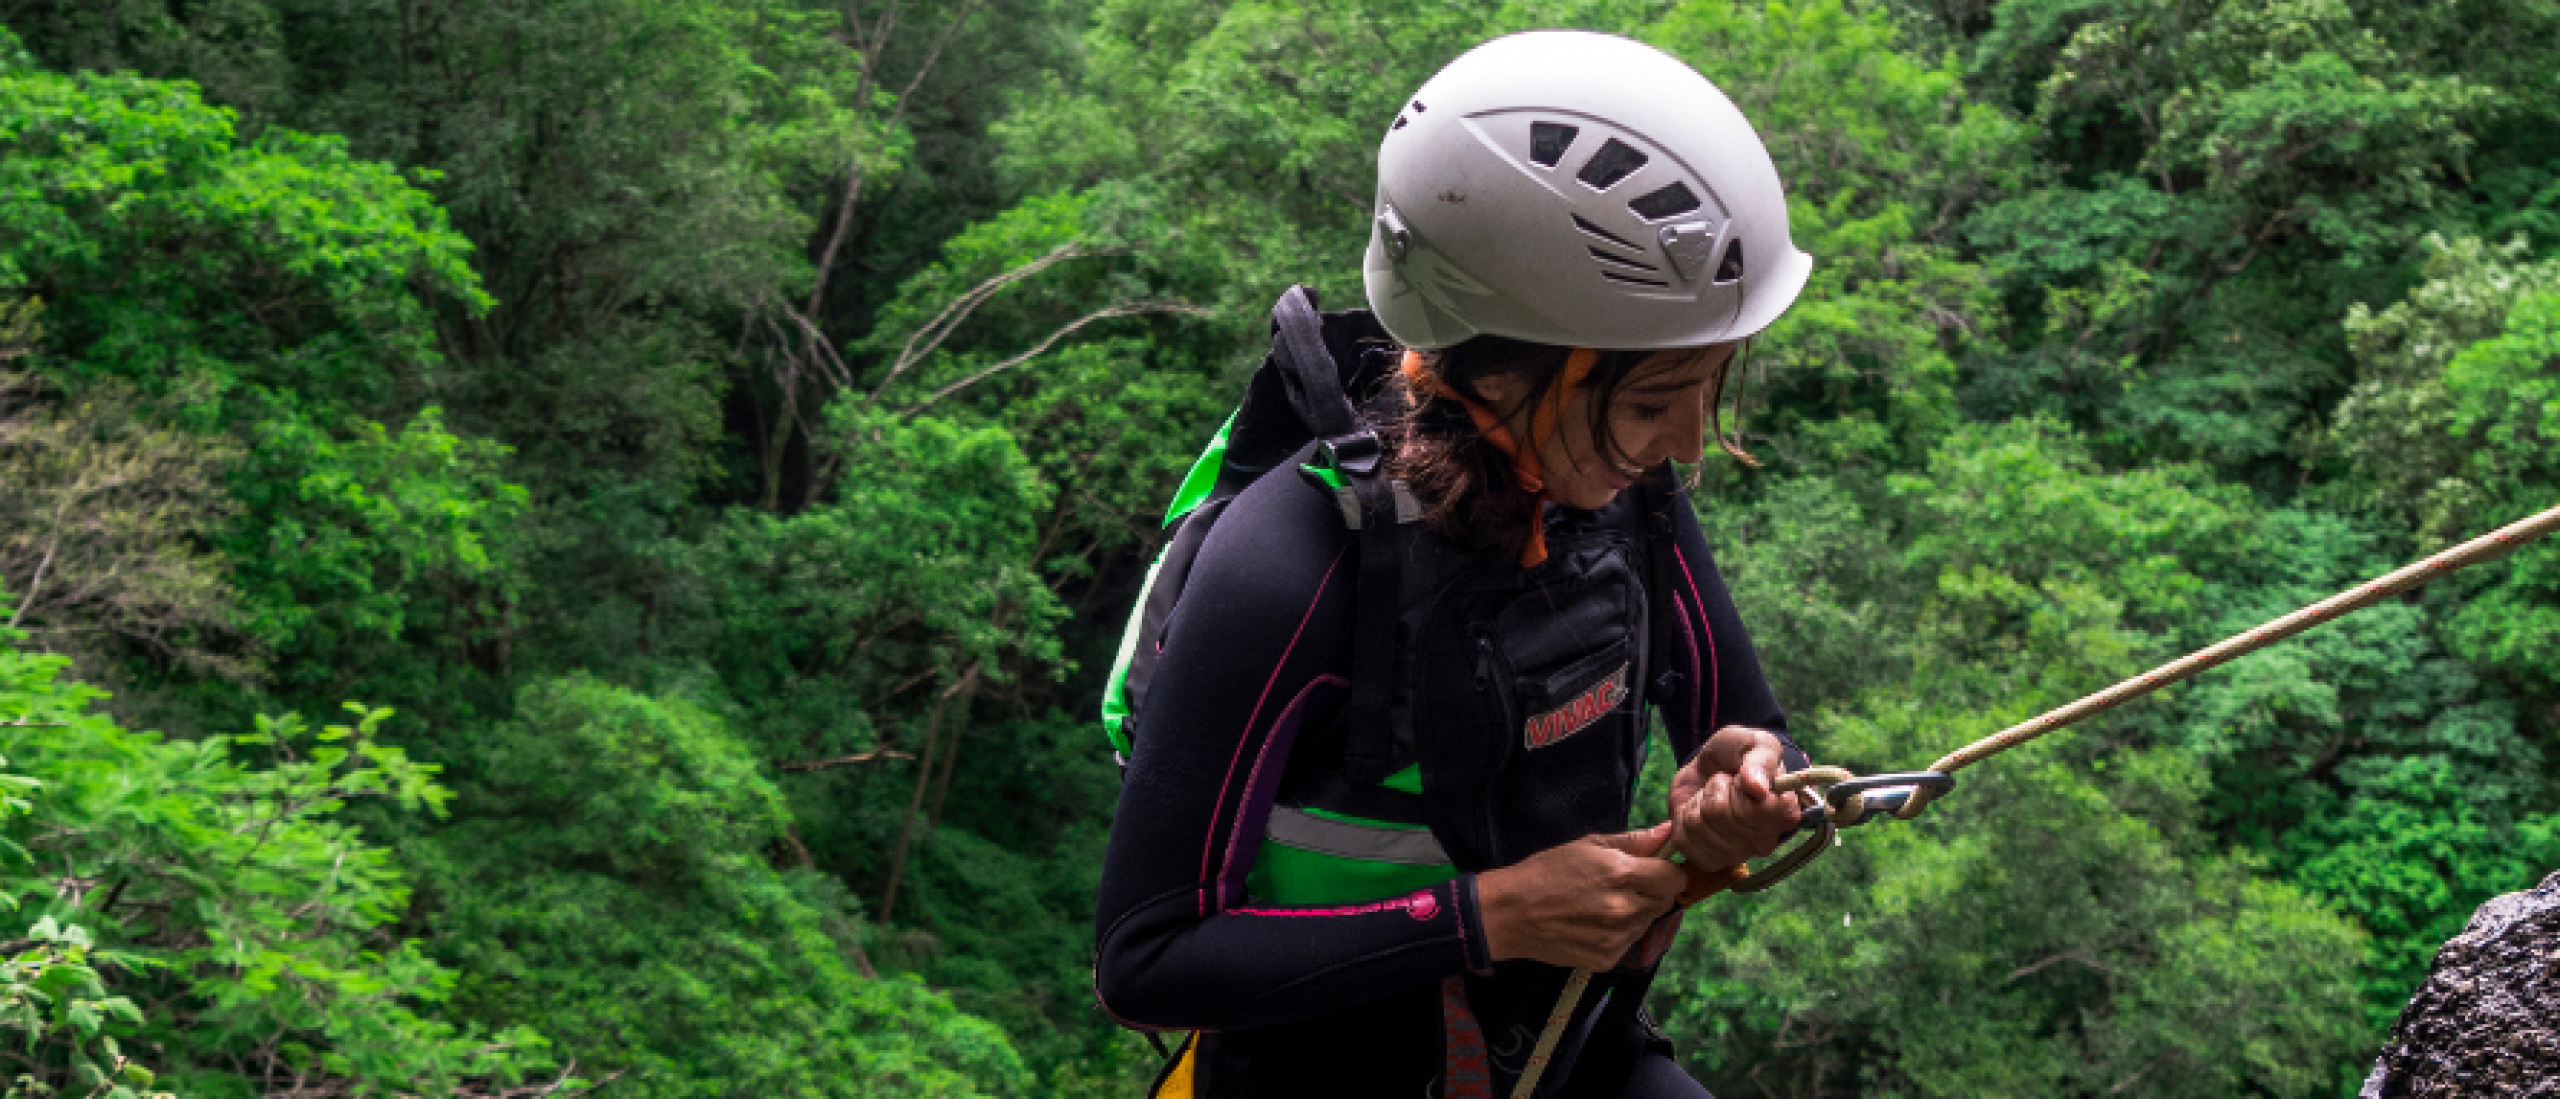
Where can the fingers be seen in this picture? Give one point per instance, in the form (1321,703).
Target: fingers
(1583,903)
(1656,882)
(1760,768)
(1640,872)
(1640,891)
(1643,842)
(1756,754)
(1725,824)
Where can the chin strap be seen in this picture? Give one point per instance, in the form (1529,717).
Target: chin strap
(1542,425)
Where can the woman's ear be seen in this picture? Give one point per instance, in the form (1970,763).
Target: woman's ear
(1503,390)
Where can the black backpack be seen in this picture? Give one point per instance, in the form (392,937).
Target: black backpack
(1302,394)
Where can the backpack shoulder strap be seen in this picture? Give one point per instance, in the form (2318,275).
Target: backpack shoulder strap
(1378,508)
(1307,368)
(1387,517)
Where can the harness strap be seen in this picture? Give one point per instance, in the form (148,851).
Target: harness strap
(1372,751)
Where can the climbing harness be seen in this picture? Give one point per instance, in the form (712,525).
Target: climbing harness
(1839,798)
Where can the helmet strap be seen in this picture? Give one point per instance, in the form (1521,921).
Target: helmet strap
(1543,424)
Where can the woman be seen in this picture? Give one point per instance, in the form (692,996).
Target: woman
(1574,232)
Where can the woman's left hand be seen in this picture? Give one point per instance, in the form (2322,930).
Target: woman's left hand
(1724,805)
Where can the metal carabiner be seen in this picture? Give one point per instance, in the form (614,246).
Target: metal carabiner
(1851,802)
(1814,817)
(1845,804)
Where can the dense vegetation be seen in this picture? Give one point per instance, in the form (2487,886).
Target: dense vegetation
(701,451)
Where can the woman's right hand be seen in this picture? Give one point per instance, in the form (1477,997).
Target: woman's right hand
(1580,904)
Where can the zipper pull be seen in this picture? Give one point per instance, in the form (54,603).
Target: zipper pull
(1484,663)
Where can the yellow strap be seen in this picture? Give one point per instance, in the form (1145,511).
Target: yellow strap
(1177,1083)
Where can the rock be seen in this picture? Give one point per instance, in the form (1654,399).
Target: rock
(2487,1020)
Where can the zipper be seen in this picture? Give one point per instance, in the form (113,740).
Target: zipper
(1488,662)
(1489,666)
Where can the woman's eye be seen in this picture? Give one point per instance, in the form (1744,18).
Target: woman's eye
(1651,411)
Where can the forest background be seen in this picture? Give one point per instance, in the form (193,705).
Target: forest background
(619,510)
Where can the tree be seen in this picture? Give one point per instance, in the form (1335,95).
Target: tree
(235,899)
(267,298)
(105,519)
(613,883)
(2066,894)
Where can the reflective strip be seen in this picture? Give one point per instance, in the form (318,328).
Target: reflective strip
(1408,507)
(1366,842)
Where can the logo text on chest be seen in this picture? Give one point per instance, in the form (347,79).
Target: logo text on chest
(1578,713)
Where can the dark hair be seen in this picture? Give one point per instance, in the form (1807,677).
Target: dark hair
(1464,482)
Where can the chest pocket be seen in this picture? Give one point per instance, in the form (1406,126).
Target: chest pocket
(1547,744)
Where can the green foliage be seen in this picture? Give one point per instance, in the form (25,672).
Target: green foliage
(236,896)
(279,262)
(920,569)
(51,993)
(612,886)
(2411,860)
(53,996)
(270,295)
(372,528)
(2395,428)
(101,516)
(2068,895)
(2225,178)
(2506,396)
(709,413)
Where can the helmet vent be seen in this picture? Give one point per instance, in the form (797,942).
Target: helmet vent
(1669,201)
(1400,122)
(1580,223)
(1549,140)
(1616,277)
(1622,261)
(1418,108)
(1731,269)
(1615,161)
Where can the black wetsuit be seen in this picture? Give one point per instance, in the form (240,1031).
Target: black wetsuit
(1351,1000)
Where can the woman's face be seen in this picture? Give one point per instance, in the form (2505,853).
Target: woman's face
(1659,414)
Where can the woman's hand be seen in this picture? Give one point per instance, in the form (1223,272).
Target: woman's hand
(1579,904)
(1724,807)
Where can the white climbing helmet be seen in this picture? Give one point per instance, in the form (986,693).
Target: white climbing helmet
(1577,189)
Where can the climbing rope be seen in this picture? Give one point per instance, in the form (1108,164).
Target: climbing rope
(1844,797)
(2496,543)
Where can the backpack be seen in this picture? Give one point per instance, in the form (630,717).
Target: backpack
(1300,409)
(1300,395)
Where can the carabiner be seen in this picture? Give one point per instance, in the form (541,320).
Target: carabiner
(1853,805)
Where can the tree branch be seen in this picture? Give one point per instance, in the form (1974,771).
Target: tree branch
(1126,309)
(2066,956)
(945,322)
(840,761)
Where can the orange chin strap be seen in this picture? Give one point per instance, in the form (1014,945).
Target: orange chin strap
(1543,423)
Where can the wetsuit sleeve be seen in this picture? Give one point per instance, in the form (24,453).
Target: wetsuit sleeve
(1258,648)
(1720,682)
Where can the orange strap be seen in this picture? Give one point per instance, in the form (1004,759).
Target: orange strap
(1543,424)
(1707,883)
